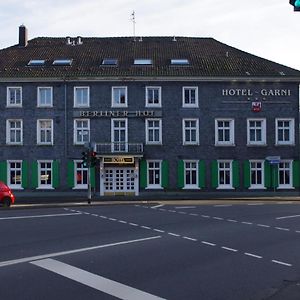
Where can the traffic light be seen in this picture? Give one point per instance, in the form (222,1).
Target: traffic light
(296,4)
(93,156)
(85,159)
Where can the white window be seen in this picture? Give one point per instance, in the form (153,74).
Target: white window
(153,131)
(80,174)
(119,135)
(256,131)
(190,131)
(225,174)
(15,174)
(154,174)
(14,96)
(153,96)
(81,131)
(285,174)
(143,61)
(81,96)
(224,132)
(256,174)
(285,131)
(119,96)
(45,175)
(191,174)
(45,132)
(190,96)
(14,132)
(45,96)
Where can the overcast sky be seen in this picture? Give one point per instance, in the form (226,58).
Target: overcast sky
(267,28)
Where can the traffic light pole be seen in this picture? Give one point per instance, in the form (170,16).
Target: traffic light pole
(89,185)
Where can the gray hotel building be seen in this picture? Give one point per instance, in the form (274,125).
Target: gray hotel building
(164,114)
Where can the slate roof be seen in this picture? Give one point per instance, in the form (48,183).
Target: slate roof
(207,56)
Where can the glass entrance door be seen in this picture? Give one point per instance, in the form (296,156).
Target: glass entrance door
(119,180)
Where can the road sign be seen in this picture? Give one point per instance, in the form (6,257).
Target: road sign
(273,160)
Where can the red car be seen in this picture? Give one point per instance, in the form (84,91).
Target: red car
(6,196)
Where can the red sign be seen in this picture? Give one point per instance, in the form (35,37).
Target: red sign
(256,106)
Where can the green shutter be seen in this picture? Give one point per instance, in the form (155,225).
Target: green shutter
(214,174)
(296,173)
(55,175)
(201,174)
(267,170)
(165,174)
(24,174)
(143,174)
(3,171)
(92,177)
(180,174)
(247,174)
(70,174)
(274,179)
(235,174)
(34,175)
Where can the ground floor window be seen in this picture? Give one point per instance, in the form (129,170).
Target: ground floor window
(154,174)
(225,174)
(191,174)
(285,174)
(256,174)
(15,174)
(81,175)
(45,175)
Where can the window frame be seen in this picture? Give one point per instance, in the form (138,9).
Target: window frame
(194,186)
(262,169)
(76,128)
(9,132)
(291,141)
(148,142)
(190,88)
(155,185)
(231,132)
(15,169)
(290,169)
(39,130)
(228,186)
(80,105)
(263,128)
(8,101)
(184,128)
(45,186)
(113,104)
(81,169)
(147,104)
(39,88)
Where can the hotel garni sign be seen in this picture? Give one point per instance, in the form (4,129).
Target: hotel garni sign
(117,113)
(257,93)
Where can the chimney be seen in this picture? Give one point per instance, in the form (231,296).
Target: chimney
(23,36)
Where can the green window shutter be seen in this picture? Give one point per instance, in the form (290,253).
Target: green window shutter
(24,174)
(201,174)
(235,174)
(70,174)
(34,175)
(180,174)
(267,170)
(296,173)
(214,174)
(92,177)
(55,175)
(3,171)
(274,180)
(247,175)
(143,173)
(165,174)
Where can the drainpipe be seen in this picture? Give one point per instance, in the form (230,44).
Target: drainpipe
(66,118)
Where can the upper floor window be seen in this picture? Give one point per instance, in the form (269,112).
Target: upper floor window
(81,131)
(224,132)
(256,131)
(45,96)
(81,96)
(14,96)
(45,132)
(190,96)
(119,96)
(285,131)
(14,132)
(153,96)
(153,131)
(190,131)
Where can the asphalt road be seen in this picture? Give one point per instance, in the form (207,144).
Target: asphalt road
(147,252)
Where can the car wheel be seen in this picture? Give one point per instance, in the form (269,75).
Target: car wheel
(6,202)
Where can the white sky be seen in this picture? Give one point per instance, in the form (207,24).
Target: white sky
(267,28)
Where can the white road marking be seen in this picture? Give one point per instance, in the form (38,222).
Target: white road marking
(247,223)
(173,211)
(233,221)
(190,239)
(97,282)
(158,230)
(281,263)
(252,255)
(285,202)
(280,228)
(133,224)
(218,218)
(95,215)
(103,217)
(288,217)
(145,227)
(229,249)
(196,215)
(121,221)
(41,216)
(223,205)
(255,204)
(112,219)
(179,207)
(207,243)
(262,225)
(205,216)
(157,206)
(173,234)
(49,255)
(182,212)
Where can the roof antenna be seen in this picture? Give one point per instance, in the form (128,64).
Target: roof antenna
(133,22)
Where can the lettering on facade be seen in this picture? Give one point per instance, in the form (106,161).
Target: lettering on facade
(118,160)
(261,92)
(117,113)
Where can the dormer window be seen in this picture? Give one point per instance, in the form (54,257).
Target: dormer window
(36,62)
(62,62)
(143,62)
(109,62)
(180,62)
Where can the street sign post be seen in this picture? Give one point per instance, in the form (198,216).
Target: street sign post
(274,161)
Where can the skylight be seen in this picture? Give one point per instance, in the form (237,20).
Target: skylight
(109,61)
(143,61)
(181,61)
(36,62)
(62,62)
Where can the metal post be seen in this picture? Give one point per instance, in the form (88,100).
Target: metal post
(89,185)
